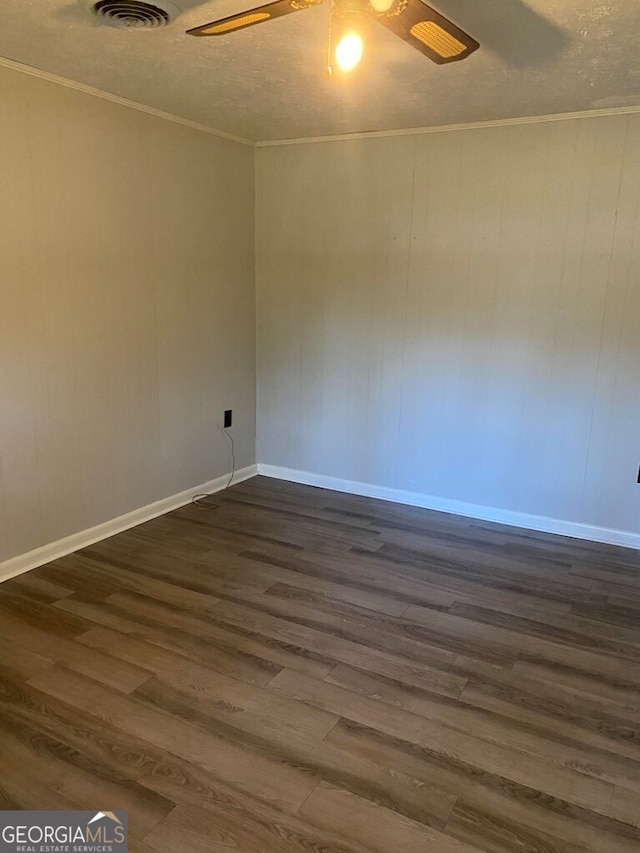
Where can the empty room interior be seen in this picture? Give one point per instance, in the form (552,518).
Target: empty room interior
(320,426)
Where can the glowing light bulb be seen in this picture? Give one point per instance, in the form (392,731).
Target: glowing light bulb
(349,51)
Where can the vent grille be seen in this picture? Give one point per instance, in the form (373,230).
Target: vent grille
(132,14)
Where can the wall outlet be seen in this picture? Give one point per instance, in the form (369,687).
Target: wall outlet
(228,418)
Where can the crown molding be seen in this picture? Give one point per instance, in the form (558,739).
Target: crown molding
(5,62)
(448,128)
(305,140)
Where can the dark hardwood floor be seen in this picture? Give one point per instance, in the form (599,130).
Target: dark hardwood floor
(301,671)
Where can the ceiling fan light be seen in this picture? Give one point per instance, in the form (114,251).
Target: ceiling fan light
(349,51)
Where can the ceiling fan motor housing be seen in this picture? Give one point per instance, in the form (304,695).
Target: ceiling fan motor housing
(348,15)
(349,9)
(134,14)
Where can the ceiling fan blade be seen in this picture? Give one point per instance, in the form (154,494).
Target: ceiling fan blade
(428,31)
(258,15)
(510,29)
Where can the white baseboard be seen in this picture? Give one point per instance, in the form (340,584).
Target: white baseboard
(47,553)
(541,523)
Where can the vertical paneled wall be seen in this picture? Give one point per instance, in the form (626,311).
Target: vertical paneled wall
(457,314)
(126,309)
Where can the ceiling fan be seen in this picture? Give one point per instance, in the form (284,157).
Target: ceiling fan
(419,25)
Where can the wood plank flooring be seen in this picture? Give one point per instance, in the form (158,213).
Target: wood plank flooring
(294,670)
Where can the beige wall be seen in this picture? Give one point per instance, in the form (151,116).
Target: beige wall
(126,309)
(453,314)
(457,314)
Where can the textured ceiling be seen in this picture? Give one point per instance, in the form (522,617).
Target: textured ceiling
(267,83)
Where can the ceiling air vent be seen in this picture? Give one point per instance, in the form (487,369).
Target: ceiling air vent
(135,14)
